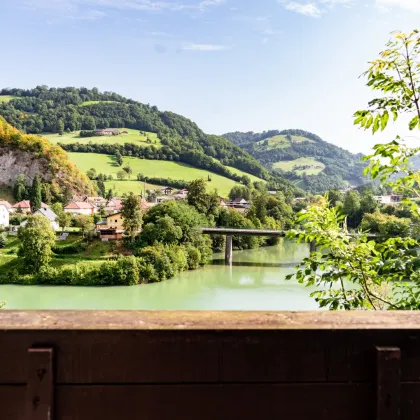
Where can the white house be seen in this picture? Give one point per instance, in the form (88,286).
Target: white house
(80,207)
(4,216)
(48,214)
(389,199)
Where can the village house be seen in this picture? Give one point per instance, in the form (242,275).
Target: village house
(111,228)
(108,132)
(80,207)
(166,190)
(98,202)
(25,207)
(114,205)
(181,195)
(390,199)
(4,216)
(240,203)
(7,205)
(49,215)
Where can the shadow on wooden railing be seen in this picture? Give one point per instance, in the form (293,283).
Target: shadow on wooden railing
(127,365)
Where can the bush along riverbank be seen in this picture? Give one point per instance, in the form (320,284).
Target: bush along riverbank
(157,245)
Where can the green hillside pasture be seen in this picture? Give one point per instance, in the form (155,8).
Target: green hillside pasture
(87,103)
(6,98)
(152,168)
(242,173)
(133,136)
(280,142)
(288,165)
(124,187)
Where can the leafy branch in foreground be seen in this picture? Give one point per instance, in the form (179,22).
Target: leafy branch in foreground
(354,272)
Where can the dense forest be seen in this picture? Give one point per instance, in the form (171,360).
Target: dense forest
(56,110)
(341,166)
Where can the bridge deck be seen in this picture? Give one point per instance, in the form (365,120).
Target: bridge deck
(243,232)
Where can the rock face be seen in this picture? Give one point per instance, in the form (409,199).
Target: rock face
(14,162)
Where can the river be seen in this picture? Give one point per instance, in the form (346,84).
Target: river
(255,281)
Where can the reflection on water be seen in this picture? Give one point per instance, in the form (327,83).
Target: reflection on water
(254,282)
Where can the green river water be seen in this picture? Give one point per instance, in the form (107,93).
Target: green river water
(255,281)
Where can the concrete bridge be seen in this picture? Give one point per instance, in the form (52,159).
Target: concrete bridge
(230,232)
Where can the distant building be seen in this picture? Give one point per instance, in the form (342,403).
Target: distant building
(166,190)
(112,227)
(80,207)
(181,194)
(25,207)
(49,215)
(4,216)
(391,199)
(98,202)
(239,203)
(6,204)
(114,205)
(108,132)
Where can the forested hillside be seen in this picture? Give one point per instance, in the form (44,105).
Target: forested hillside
(43,110)
(303,158)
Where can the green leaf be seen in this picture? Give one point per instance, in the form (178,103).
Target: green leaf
(376,123)
(384,120)
(414,122)
(369,122)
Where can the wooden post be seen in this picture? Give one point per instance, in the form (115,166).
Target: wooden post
(388,383)
(39,397)
(228,250)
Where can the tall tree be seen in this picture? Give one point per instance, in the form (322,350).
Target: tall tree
(132,215)
(20,189)
(36,194)
(36,241)
(101,188)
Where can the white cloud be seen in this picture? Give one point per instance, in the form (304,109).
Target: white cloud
(206,47)
(410,5)
(307,9)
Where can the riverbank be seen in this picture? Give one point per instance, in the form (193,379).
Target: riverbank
(256,281)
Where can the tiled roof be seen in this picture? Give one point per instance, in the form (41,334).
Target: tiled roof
(5,204)
(79,205)
(26,204)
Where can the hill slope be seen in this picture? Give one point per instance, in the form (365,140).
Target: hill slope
(62,113)
(30,155)
(303,158)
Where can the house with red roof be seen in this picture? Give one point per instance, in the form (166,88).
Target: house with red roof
(114,205)
(6,204)
(25,207)
(80,207)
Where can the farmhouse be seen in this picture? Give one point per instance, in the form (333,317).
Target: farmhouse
(112,227)
(80,207)
(114,205)
(25,207)
(6,204)
(4,215)
(108,132)
(389,199)
(48,214)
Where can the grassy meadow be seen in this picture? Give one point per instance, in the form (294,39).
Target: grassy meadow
(280,142)
(152,168)
(288,165)
(7,98)
(133,136)
(87,103)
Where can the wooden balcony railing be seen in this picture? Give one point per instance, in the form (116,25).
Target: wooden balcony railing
(100,365)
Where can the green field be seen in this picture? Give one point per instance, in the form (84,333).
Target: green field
(152,168)
(241,173)
(280,142)
(133,136)
(6,98)
(288,165)
(124,187)
(87,103)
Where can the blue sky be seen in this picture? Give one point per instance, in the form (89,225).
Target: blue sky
(226,64)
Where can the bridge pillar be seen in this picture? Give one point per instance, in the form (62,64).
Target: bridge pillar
(312,246)
(228,250)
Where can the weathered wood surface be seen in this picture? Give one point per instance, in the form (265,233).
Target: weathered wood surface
(207,320)
(127,365)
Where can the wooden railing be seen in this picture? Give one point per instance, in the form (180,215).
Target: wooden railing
(102,365)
